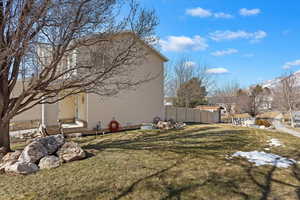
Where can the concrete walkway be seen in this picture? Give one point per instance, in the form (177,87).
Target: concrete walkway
(280,127)
(22,132)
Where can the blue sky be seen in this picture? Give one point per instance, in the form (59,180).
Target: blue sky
(253,40)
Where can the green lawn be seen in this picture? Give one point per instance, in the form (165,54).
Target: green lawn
(188,164)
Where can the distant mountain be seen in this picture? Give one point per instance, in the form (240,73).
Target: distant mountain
(275,82)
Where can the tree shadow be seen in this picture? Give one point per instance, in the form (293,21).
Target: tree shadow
(183,143)
(172,191)
(265,186)
(296,174)
(264,180)
(88,193)
(214,143)
(176,192)
(179,142)
(134,184)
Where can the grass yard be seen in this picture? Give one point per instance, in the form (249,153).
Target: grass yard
(187,164)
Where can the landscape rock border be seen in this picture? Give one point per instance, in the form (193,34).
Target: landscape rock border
(42,153)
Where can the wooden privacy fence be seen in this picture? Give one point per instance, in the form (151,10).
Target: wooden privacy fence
(191,115)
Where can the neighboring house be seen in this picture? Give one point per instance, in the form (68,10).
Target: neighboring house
(267,103)
(231,104)
(228,104)
(129,107)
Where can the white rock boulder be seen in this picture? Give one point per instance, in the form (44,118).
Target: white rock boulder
(11,156)
(52,143)
(71,151)
(33,153)
(3,165)
(49,162)
(21,168)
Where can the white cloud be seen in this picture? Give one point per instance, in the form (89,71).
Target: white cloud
(217,71)
(291,64)
(224,52)
(259,35)
(249,12)
(183,43)
(231,35)
(199,12)
(190,64)
(203,13)
(223,15)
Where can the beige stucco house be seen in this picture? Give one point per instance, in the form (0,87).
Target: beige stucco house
(129,107)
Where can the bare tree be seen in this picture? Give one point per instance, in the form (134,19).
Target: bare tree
(39,40)
(243,102)
(254,100)
(183,70)
(169,83)
(228,89)
(286,96)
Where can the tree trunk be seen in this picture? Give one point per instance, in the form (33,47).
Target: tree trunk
(4,137)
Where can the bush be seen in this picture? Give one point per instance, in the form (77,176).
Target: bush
(262,122)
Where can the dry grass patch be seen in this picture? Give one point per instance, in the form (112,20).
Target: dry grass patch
(186,164)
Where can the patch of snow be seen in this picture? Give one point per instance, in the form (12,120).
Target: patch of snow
(275,142)
(262,158)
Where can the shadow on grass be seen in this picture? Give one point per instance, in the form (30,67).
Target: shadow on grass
(197,141)
(171,190)
(176,192)
(263,179)
(205,141)
(130,189)
(91,193)
(296,174)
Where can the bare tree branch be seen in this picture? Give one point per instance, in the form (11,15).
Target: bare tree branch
(286,96)
(52,49)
